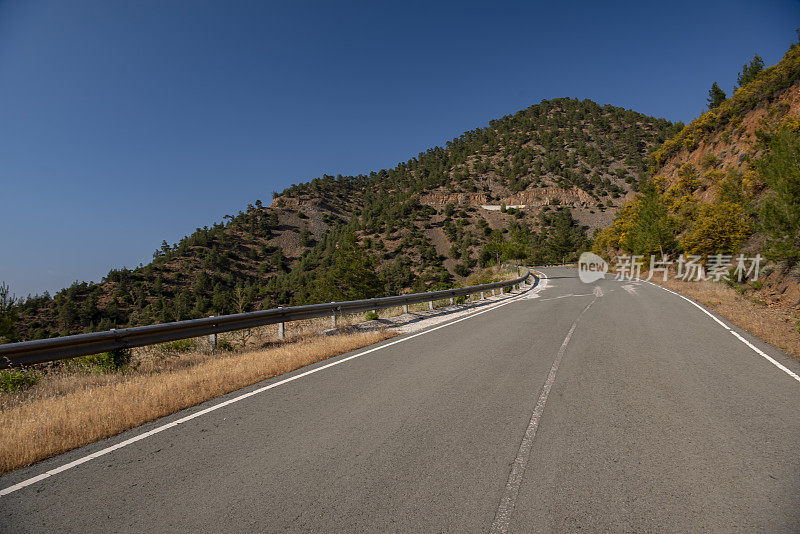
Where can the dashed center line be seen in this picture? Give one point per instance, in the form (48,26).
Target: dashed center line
(511,492)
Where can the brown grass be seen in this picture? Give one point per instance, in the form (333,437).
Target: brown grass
(70,409)
(776,326)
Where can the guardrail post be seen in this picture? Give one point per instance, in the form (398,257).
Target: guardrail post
(452,301)
(333,316)
(405,308)
(430,304)
(281,334)
(492,292)
(501,290)
(212,342)
(483,297)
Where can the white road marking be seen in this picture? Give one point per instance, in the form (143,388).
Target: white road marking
(629,288)
(693,303)
(755,349)
(769,358)
(511,492)
(103,452)
(543,280)
(564,297)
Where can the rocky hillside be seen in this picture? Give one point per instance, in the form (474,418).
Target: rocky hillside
(528,186)
(729,182)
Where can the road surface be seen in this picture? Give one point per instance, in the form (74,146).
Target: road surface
(613,406)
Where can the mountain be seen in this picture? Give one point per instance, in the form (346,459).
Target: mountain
(528,186)
(727,183)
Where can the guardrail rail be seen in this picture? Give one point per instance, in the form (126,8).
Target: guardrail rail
(59,348)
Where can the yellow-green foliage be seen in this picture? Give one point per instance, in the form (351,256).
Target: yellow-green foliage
(713,177)
(612,238)
(685,209)
(752,184)
(678,197)
(719,228)
(687,179)
(709,161)
(689,142)
(772,79)
(660,183)
(729,186)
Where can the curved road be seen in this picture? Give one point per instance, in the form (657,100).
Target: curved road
(615,406)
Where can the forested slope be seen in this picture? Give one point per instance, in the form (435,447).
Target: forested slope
(527,187)
(727,183)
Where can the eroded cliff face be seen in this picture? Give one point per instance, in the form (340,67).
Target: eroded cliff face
(531,197)
(735,146)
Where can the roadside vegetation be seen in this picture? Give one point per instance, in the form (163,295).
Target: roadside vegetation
(729,183)
(750,205)
(43,413)
(92,397)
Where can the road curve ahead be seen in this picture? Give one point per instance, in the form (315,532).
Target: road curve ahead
(615,406)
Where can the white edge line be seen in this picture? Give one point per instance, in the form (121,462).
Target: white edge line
(112,448)
(769,358)
(755,349)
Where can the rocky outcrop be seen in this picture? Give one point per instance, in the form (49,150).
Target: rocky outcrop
(532,197)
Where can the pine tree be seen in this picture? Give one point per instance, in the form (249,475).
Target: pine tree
(653,226)
(352,276)
(750,71)
(780,213)
(565,239)
(716,96)
(7,315)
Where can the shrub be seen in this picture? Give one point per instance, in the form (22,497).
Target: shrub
(224,344)
(371,315)
(105,362)
(179,345)
(461,270)
(709,161)
(15,380)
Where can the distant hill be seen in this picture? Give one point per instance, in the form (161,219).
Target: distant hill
(528,186)
(728,182)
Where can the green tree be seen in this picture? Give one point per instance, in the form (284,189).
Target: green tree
(351,276)
(8,315)
(653,228)
(492,251)
(716,96)
(779,167)
(720,228)
(750,71)
(564,238)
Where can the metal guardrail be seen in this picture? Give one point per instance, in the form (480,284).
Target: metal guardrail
(59,348)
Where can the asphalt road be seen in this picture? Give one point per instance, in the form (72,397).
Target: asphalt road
(615,406)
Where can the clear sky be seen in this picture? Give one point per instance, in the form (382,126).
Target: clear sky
(123,123)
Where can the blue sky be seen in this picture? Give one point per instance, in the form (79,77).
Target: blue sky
(123,123)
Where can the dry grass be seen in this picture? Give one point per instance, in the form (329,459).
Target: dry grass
(776,326)
(68,409)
